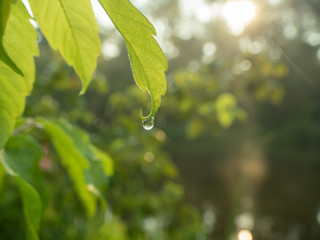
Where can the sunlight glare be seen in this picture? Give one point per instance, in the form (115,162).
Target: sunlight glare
(237,14)
(101,16)
(27,5)
(244,235)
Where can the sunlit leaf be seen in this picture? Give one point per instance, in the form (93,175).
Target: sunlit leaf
(12,100)
(81,161)
(5,9)
(19,40)
(70,27)
(147,60)
(21,160)
(20,43)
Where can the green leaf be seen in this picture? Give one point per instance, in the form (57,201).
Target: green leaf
(105,159)
(2,173)
(31,208)
(19,40)
(70,27)
(81,160)
(21,160)
(20,43)
(12,100)
(5,9)
(74,162)
(147,60)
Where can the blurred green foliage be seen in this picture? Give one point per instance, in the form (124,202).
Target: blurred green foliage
(237,136)
(144,201)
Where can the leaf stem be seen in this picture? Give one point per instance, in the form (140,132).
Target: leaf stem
(29,123)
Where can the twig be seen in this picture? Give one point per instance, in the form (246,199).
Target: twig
(29,123)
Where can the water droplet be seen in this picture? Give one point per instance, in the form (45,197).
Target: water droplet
(148,123)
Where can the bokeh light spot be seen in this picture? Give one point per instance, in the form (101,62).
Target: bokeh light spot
(148,156)
(245,235)
(110,50)
(237,14)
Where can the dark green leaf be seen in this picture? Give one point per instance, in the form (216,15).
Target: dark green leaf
(21,160)
(2,173)
(85,163)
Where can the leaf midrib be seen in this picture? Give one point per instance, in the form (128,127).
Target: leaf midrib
(71,29)
(129,43)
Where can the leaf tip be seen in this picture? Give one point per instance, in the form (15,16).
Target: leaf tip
(143,117)
(83,90)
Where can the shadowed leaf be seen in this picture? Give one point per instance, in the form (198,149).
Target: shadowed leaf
(21,160)
(85,164)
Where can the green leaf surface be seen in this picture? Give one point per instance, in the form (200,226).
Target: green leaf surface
(2,173)
(21,160)
(12,100)
(78,155)
(70,27)
(31,208)
(19,40)
(105,159)
(5,11)
(147,60)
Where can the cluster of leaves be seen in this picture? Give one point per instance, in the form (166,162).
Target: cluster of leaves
(207,97)
(142,191)
(69,27)
(87,166)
